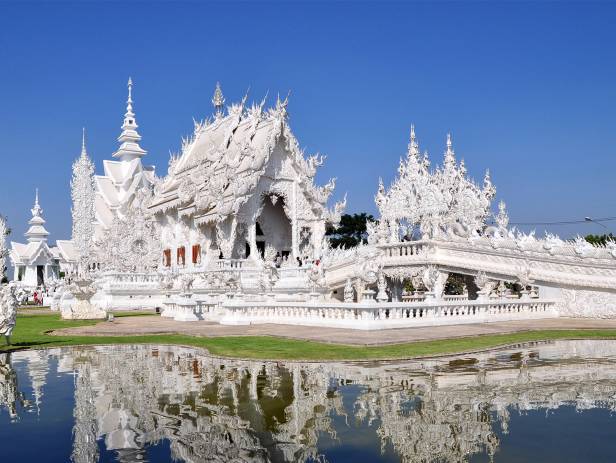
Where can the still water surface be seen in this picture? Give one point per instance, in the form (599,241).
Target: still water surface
(549,402)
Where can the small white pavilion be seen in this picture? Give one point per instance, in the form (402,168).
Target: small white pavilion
(35,262)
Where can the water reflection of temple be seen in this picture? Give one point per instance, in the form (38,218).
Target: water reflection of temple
(212,409)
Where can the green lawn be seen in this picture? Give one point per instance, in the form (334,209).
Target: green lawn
(31,329)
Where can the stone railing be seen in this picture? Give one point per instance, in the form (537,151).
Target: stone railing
(594,270)
(368,316)
(405,248)
(174,307)
(125,277)
(415,297)
(455,297)
(231,264)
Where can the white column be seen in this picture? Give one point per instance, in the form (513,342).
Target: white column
(252,240)
(294,234)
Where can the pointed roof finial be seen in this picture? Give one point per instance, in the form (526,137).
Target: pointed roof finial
(413,148)
(37,231)
(218,100)
(83,142)
(450,159)
(130,90)
(129,138)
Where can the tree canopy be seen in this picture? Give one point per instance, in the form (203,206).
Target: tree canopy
(600,239)
(351,231)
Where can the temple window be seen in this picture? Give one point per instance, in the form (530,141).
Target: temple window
(167,257)
(196,254)
(181,256)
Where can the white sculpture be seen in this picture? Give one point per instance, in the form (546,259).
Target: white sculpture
(440,203)
(382,287)
(4,230)
(82,285)
(349,292)
(83,193)
(132,243)
(8,311)
(484,284)
(186,282)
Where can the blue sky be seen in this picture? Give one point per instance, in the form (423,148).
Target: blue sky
(527,90)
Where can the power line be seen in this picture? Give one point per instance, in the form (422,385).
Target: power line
(566,222)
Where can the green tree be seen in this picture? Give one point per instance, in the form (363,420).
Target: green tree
(600,239)
(350,232)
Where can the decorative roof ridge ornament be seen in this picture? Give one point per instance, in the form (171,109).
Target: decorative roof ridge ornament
(218,100)
(281,105)
(502,218)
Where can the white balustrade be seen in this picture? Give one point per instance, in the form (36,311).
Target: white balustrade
(405,249)
(231,264)
(382,316)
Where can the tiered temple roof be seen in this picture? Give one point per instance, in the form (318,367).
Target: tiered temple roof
(124,176)
(221,164)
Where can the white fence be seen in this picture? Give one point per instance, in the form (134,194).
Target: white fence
(366,316)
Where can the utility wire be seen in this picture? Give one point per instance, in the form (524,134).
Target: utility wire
(565,222)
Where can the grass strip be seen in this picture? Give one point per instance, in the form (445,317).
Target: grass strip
(31,333)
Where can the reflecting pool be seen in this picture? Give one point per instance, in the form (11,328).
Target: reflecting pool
(548,402)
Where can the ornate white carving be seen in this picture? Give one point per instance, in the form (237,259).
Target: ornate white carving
(132,243)
(588,304)
(83,286)
(382,287)
(8,310)
(442,202)
(349,292)
(83,193)
(3,249)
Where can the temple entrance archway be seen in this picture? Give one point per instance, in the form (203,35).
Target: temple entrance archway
(40,275)
(274,227)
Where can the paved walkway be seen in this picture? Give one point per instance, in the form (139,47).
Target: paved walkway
(155,324)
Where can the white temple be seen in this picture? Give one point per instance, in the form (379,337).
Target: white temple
(35,263)
(235,233)
(240,185)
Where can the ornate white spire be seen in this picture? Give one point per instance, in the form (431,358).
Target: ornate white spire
(37,231)
(413,149)
(218,100)
(129,138)
(450,157)
(83,194)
